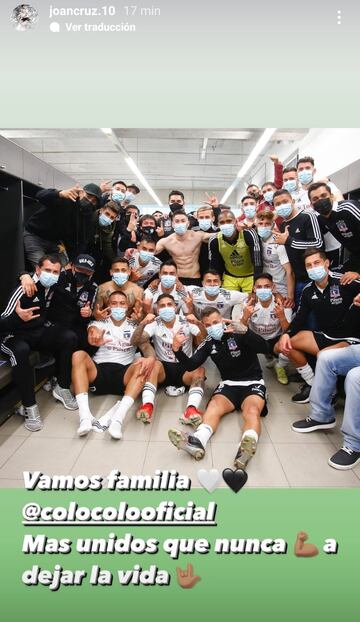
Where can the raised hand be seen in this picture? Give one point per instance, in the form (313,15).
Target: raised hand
(96,337)
(138,311)
(105,185)
(26,314)
(179,340)
(71,193)
(86,311)
(186,578)
(102,314)
(280,238)
(212,199)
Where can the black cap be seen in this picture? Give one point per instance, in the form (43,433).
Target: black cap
(93,189)
(85,261)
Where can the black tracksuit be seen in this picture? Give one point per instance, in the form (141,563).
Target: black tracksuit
(62,220)
(231,364)
(66,303)
(304,233)
(19,337)
(344,224)
(334,312)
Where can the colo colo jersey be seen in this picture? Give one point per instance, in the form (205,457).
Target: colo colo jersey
(223,302)
(152,293)
(162,337)
(147,271)
(119,350)
(235,356)
(274,258)
(264,321)
(333,309)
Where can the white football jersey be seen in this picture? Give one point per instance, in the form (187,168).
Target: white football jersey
(118,350)
(264,321)
(147,271)
(223,302)
(162,337)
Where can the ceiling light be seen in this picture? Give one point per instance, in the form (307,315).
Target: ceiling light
(261,143)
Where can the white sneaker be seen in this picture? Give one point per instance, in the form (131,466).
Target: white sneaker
(33,421)
(66,397)
(174,391)
(85,426)
(115,429)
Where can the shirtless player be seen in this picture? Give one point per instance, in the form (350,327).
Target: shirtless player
(184,248)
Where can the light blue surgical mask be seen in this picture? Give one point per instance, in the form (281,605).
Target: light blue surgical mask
(180,228)
(290,185)
(205,224)
(284,210)
(212,290)
(317,274)
(145,256)
(118,313)
(104,221)
(167,314)
(47,279)
(120,278)
(118,196)
(250,211)
(215,331)
(227,230)
(264,232)
(263,293)
(129,196)
(268,196)
(305,177)
(168,281)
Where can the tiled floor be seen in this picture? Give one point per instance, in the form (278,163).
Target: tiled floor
(284,458)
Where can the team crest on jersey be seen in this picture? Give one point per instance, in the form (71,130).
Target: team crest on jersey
(232,345)
(127,334)
(84,296)
(334,291)
(342,226)
(220,305)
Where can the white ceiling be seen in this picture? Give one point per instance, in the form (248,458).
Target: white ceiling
(168,158)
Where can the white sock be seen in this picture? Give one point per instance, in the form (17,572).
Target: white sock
(148,394)
(83,403)
(195,396)
(203,433)
(105,420)
(282,361)
(123,408)
(251,433)
(306,373)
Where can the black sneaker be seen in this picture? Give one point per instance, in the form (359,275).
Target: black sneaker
(303,396)
(310,425)
(188,443)
(345,459)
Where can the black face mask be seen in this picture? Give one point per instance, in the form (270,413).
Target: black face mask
(175,207)
(81,278)
(323,207)
(148,230)
(85,205)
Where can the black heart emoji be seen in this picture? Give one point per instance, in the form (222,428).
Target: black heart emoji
(235,479)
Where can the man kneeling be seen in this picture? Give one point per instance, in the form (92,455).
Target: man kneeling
(112,369)
(242,386)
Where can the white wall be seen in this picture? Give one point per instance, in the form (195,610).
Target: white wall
(332,149)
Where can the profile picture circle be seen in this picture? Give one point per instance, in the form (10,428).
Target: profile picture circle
(24,17)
